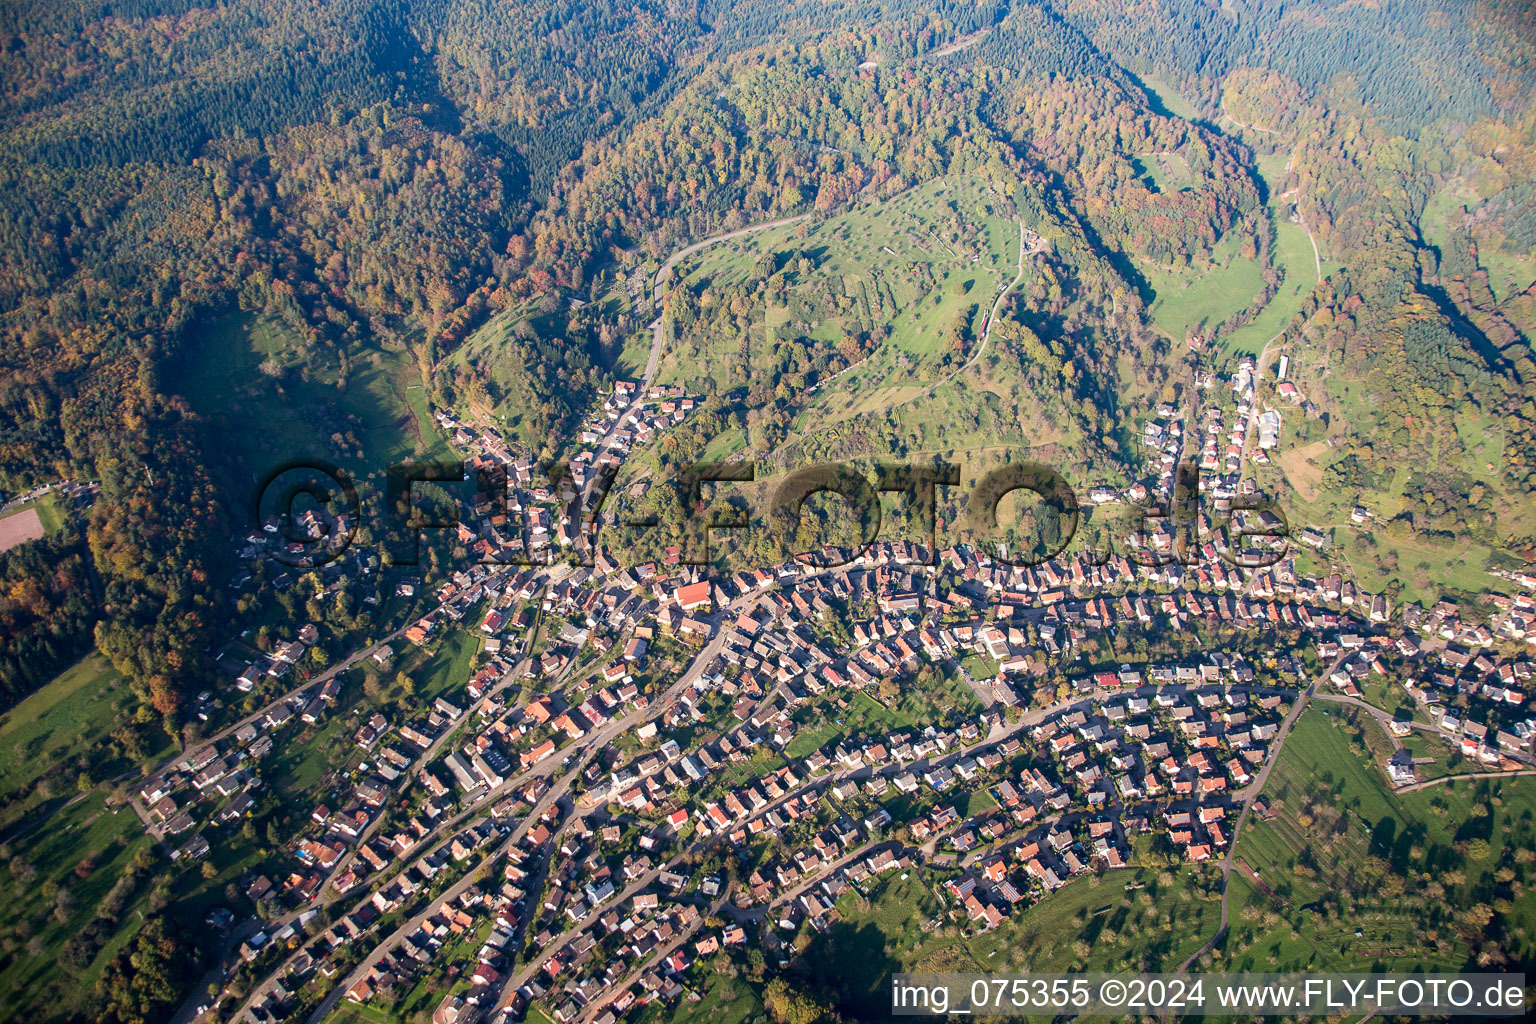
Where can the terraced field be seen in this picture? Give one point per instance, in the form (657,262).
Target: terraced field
(1347,875)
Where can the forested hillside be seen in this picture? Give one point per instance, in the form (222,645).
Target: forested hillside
(231,228)
(434,180)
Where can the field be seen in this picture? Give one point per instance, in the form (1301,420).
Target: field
(59,731)
(1171,101)
(1425,569)
(866,717)
(365,420)
(1162,172)
(915,262)
(906,272)
(1361,877)
(902,274)
(58,877)
(1293,259)
(1303,469)
(1388,694)
(38,518)
(349,1012)
(1196,298)
(445,670)
(725,1000)
(21,526)
(1508,272)
(500,353)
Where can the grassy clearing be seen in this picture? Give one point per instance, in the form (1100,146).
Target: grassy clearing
(445,670)
(1128,919)
(1293,259)
(1424,569)
(1386,693)
(318,754)
(354,1013)
(61,730)
(1193,298)
(1447,759)
(1508,273)
(305,765)
(1169,98)
(372,416)
(49,509)
(725,1000)
(1162,172)
(1125,920)
(918,264)
(502,353)
(632,357)
(866,718)
(1303,469)
(978,801)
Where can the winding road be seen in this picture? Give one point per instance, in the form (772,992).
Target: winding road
(991,321)
(654,360)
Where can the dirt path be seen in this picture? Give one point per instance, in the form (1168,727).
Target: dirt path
(1317,259)
(1242,125)
(963,43)
(1254,790)
(986,332)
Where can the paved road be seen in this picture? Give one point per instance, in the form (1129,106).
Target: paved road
(427,756)
(1414,787)
(1384,720)
(479,809)
(256,716)
(599,738)
(654,957)
(1027,721)
(997,303)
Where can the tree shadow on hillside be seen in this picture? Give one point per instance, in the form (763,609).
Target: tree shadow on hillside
(849,966)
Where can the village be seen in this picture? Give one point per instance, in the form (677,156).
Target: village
(634,776)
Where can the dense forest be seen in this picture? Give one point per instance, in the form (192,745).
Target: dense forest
(48,604)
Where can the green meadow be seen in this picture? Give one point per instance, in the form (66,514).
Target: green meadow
(365,416)
(1292,258)
(915,262)
(70,866)
(1508,272)
(50,512)
(1196,297)
(1352,875)
(1137,918)
(61,730)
